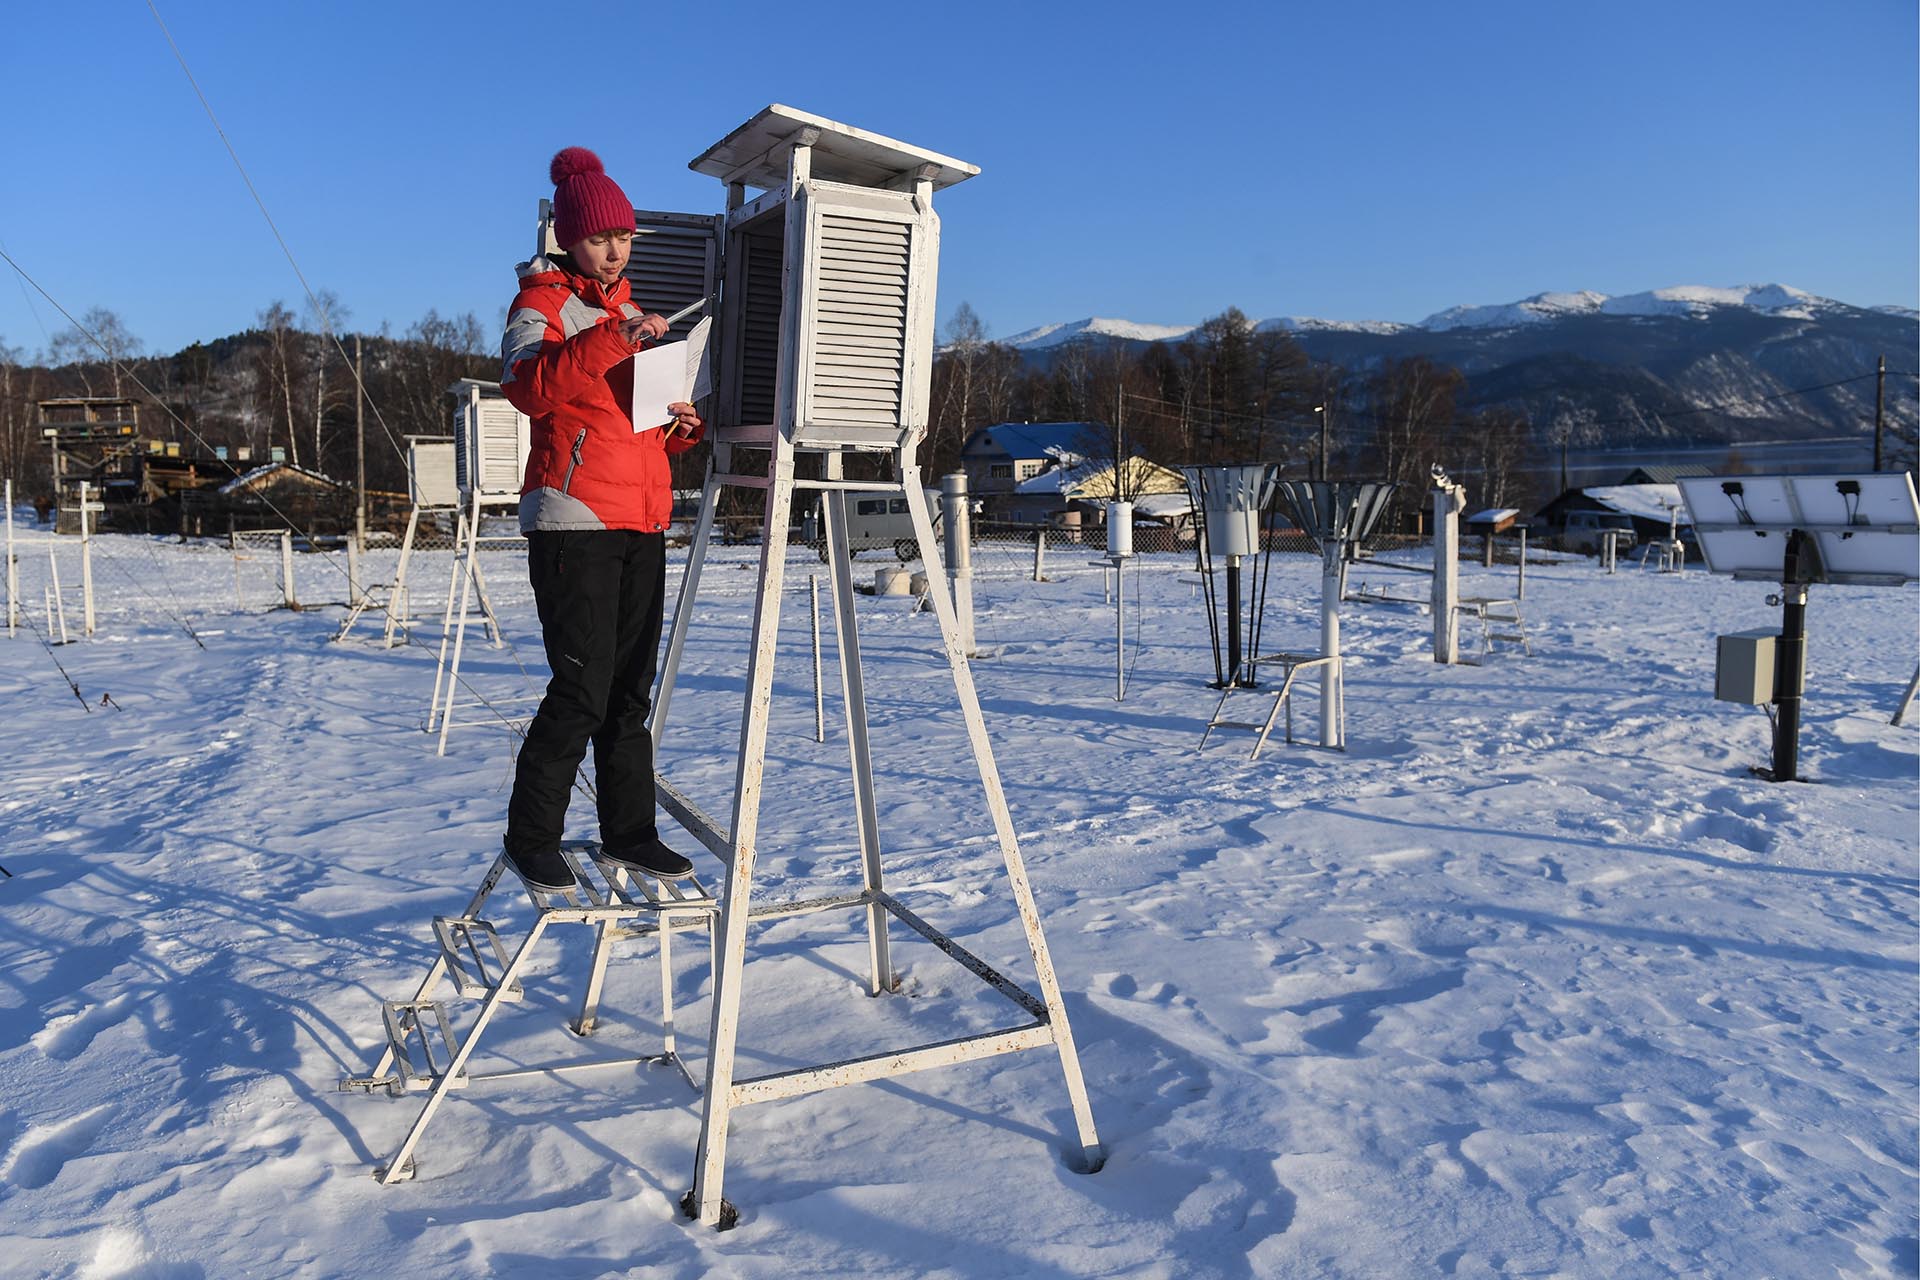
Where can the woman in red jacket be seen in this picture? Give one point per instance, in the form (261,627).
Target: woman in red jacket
(595,506)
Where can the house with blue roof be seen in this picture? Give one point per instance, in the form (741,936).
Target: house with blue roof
(997,458)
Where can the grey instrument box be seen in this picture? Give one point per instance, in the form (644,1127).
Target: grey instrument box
(1744,669)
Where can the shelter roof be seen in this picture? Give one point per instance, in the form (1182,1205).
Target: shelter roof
(1494,515)
(756,153)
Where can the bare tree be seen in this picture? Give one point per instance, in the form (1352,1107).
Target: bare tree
(1498,442)
(277,323)
(438,351)
(957,385)
(325,313)
(14,422)
(99,338)
(1412,402)
(1070,382)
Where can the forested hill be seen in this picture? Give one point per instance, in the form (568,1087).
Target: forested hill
(277,385)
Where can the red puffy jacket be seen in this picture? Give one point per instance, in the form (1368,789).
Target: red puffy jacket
(567,369)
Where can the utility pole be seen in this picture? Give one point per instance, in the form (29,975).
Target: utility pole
(1325,411)
(359,450)
(1565,435)
(1879,410)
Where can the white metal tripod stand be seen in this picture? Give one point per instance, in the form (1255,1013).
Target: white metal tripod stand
(737,845)
(467,599)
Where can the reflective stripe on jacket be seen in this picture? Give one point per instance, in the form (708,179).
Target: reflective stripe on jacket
(566,368)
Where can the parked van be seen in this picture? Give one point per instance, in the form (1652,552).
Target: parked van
(875,521)
(1583,529)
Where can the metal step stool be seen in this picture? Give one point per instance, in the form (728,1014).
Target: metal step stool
(1291,665)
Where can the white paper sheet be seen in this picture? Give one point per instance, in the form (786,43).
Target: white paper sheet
(671,373)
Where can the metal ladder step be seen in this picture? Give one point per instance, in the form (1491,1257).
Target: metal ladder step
(476,960)
(412,1026)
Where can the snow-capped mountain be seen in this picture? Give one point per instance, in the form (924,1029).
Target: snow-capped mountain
(1690,300)
(1692,361)
(1095,327)
(1681,300)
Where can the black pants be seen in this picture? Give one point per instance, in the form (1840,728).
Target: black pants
(599,593)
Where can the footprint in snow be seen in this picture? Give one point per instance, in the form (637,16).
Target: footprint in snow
(45,1150)
(67,1037)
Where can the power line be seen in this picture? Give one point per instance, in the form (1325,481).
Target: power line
(319,310)
(31,309)
(184,425)
(26,616)
(161,573)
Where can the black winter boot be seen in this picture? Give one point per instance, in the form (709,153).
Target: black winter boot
(651,858)
(543,872)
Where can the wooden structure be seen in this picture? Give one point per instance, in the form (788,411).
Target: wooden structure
(140,480)
(272,496)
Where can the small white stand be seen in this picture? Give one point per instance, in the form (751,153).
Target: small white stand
(1449,499)
(398,608)
(1117,596)
(469,585)
(423,1052)
(1610,548)
(1499,623)
(1333,705)
(54,601)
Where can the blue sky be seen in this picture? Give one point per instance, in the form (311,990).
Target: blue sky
(1153,162)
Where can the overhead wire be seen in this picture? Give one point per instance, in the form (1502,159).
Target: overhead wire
(26,616)
(160,572)
(327,557)
(319,309)
(31,309)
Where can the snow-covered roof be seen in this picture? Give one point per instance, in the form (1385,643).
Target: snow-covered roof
(1494,515)
(1665,473)
(1065,469)
(1073,475)
(248,479)
(1642,501)
(1162,506)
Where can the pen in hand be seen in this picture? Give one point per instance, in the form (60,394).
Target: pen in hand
(685,420)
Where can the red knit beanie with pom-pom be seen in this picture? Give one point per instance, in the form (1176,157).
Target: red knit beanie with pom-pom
(585,200)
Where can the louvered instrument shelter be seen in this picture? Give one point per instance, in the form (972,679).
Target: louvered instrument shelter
(826,279)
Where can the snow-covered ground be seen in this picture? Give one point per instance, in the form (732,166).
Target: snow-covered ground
(1535,980)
